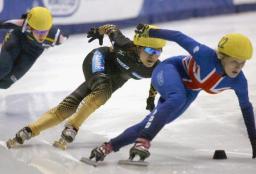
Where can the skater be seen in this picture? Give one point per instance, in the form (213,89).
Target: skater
(27,40)
(105,69)
(179,79)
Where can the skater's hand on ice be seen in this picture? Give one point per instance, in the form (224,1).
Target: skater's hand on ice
(93,34)
(150,103)
(253,143)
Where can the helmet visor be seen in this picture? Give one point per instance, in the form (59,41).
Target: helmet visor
(152,51)
(40,32)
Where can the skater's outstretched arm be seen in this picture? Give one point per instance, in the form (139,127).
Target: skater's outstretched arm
(115,35)
(11,24)
(200,52)
(241,90)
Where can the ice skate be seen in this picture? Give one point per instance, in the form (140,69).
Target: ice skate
(97,154)
(21,136)
(61,144)
(133,162)
(11,143)
(138,153)
(67,136)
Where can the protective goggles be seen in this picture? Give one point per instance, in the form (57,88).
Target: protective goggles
(152,51)
(40,32)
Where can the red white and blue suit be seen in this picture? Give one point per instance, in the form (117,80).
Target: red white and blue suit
(178,80)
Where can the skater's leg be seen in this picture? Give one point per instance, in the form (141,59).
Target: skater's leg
(129,135)
(54,116)
(101,91)
(125,138)
(173,102)
(59,113)
(99,82)
(100,85)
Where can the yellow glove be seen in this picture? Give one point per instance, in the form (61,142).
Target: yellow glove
(107,29)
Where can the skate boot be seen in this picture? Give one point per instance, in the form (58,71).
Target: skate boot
(21,136)
(67,136)
(99,153)
(140,149)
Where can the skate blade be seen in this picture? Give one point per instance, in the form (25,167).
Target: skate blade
(131,162)
(11,143)
(59,145)
(89,162)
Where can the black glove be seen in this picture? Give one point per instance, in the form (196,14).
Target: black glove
(142,30)
(253,143)
(95,34)
(150,103)
(24,16)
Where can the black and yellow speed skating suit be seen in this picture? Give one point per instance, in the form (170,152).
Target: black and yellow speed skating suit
(105,69)
(20,50)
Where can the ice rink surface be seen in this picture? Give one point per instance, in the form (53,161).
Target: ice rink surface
(185,146)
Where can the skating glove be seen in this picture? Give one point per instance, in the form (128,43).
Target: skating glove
(24,16)
(151,98)
(93,34)
(150,103)
(253,143)
(143,30)
(98,33)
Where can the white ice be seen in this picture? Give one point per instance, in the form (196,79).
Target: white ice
(185,146)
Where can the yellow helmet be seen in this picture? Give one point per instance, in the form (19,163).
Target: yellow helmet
(149,41)
(236,45)
(40,18)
